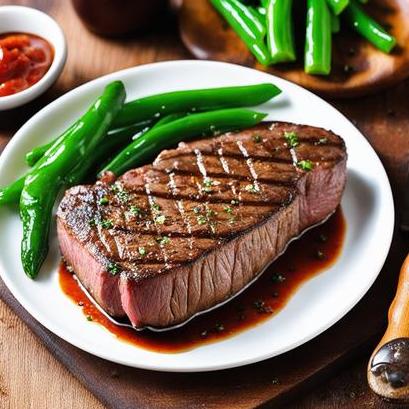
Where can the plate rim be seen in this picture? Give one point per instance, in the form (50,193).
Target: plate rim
(38,316)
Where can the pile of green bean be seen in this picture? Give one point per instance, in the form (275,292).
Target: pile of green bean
(120,136)
(267,28)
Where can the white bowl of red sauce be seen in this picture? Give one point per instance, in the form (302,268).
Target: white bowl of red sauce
(33,52)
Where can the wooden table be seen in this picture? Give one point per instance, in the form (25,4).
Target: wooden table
(29,375)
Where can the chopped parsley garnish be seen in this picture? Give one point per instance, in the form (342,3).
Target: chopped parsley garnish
(156,207)
(291,138)
(228,209)
(107,224)
(103,201)
(232,220)
(120,192)
(135,210)
(252,188)
(207,185)
(89,318)
(113,269)
(278,278)
(219,327)
(163,240)
(208,182)
(305,165)
(321,141)
(160,219)
(196,209)
(116,187)
(257,138)
(262,308)
(142,251)
(201,219)
(211,213)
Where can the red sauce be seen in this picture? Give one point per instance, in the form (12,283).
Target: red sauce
(317,250)
(24,60)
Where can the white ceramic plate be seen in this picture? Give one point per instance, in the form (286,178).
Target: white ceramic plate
(318,304)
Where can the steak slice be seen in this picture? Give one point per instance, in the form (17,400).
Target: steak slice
(168,240)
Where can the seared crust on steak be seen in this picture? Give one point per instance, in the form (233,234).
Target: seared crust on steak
(177,237)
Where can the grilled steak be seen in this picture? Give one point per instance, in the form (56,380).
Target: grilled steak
(168,240)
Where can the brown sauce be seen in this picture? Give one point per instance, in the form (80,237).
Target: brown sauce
(314,252)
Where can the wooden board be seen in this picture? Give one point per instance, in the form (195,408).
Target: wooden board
(358,68)
(385,121)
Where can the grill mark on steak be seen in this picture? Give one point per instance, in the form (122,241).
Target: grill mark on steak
(152,203)
(180,207)
(250,166)
(268,181)
(269,159)
(200,266)
(202,169)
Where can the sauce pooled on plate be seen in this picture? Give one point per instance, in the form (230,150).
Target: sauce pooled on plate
(313,253)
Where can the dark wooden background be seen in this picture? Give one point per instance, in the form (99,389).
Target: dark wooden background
(340,382)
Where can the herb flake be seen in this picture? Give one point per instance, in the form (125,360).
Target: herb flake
(305,165)
(106,224)
(252,188)
(257,138)
(113,269)
(103,201)
(201,219)
(163,240)
(292,139)
(278,278)
(135,211)
(228,209)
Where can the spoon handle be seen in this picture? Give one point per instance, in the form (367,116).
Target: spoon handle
(388,368)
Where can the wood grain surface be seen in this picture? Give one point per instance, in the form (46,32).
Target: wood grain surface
(31,378)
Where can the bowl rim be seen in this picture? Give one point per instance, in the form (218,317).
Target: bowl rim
(59,44)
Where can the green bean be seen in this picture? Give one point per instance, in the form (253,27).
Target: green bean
(43,183)
(318,38)
(145,110)
(338,6)
(11,193)
(142,112)
(148,145)
(195,100)
(246,26)
(36,153)
(335,23)
(369,28)
(119,140)
(114,141)
(280,36)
